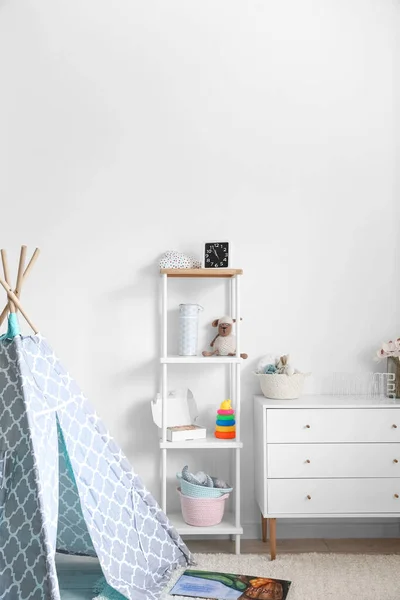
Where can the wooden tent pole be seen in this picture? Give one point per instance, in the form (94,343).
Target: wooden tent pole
(21,267)
(31,263)
(35,255)
(7,276)
(17,303)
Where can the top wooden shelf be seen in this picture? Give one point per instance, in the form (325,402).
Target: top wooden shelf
(201,272)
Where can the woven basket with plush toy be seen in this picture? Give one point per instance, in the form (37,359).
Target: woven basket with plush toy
(279,380)
(202,498)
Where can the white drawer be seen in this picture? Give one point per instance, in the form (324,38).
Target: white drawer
(333,496)
(286,461)
(316,425)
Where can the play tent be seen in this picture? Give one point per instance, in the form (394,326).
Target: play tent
(65,486)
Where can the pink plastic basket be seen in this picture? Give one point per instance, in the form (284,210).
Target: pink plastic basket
(202,512)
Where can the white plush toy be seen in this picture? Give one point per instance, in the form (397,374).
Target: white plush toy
(268,359)
(177,260)
(224,343)
(278,364)
(283,366)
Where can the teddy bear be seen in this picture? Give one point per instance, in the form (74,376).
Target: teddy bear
(224,343)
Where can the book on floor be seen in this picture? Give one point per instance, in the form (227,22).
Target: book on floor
(226,586)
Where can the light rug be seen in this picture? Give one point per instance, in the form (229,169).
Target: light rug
(314,576)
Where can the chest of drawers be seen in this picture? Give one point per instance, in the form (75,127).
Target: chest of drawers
(321,456)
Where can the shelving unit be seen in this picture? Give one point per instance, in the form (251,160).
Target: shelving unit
(231,523)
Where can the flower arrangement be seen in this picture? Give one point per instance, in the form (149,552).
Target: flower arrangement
(389,349)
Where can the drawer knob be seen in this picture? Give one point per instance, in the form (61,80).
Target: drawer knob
(308,497)
(395,460)
(308,461)
(396,495)
(394,426)
(308,426)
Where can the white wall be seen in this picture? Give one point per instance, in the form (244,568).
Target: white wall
(128,128)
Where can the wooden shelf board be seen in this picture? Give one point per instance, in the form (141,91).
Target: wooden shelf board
(205,443)
(201,272)
(185,360)
(227,526)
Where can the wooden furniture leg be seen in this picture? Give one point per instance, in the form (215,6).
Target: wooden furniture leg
(264,524)
(272,538)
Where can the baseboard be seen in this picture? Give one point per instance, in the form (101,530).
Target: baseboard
(328,528)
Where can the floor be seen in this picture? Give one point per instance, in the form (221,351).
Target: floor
(77,583)
(77,577)
(342,546)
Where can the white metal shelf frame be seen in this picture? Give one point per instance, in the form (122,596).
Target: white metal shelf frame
(232,524)
(194,360)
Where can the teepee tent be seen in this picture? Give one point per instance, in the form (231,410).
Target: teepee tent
(65,486)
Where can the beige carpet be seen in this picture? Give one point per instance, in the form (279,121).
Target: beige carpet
(315,576)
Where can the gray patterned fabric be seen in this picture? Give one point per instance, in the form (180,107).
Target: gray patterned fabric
(66,486)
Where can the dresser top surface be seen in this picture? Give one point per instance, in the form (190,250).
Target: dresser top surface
(330,401)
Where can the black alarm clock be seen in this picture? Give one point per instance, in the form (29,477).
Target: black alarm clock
(216,255)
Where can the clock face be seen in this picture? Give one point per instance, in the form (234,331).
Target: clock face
(216,255)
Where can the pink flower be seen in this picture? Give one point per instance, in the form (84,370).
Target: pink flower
(389,348)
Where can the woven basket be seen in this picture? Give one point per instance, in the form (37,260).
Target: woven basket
(200,491)
(282,387)
(202,512)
